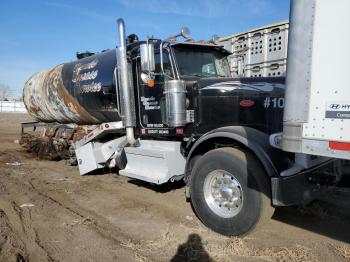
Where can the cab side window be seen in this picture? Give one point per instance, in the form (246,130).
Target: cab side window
(166,64)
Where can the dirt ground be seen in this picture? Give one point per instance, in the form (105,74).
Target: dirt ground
(48,212)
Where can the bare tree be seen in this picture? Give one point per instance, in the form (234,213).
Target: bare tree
(5,91)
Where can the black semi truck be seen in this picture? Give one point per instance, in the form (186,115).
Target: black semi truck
(168,110)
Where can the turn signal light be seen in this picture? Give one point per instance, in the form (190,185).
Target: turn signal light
(150,83)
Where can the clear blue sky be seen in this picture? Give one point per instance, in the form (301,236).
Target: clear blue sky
(38,34)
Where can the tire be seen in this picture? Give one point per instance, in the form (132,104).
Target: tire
(243,200)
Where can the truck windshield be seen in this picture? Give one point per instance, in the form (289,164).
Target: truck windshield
(201,62)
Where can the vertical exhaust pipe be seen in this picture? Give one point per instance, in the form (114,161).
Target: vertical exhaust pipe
(125,85)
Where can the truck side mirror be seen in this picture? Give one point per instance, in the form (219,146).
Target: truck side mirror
(185,32)
(147,57)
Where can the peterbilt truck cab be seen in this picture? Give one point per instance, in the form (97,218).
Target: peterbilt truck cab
(234,177)
(211,98)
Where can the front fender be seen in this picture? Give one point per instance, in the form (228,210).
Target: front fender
(272,159)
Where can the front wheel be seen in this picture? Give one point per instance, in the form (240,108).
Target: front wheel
(229,191)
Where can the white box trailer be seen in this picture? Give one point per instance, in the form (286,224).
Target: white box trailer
(317,100)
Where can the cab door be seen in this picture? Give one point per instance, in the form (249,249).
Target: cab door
(151,98)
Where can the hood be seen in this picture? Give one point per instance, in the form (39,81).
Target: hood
(253,102)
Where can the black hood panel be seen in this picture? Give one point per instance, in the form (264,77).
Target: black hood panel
(253,102)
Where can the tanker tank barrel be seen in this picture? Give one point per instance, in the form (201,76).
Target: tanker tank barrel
(80,92)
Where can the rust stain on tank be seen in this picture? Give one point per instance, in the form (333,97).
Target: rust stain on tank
(47,99)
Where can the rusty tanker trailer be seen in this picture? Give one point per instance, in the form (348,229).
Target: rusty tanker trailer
(81,92)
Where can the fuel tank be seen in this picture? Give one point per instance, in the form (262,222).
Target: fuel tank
(81,92)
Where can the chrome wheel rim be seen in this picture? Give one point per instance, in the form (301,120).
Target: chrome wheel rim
(223,193)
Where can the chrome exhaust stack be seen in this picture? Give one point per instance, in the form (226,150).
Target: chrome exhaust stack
(125,84)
